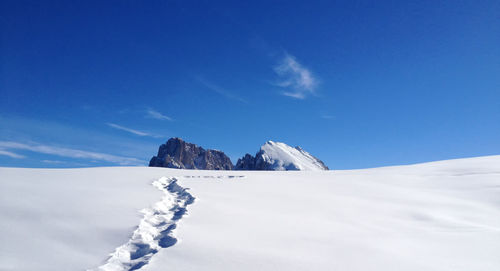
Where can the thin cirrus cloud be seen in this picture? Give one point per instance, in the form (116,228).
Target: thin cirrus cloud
(298,81)
(219,90)
(54,162)
(151,113)
(71,153)
(11,154)
(130,130)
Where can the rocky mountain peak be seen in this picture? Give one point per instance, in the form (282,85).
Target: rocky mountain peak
(176,153)
(279,156)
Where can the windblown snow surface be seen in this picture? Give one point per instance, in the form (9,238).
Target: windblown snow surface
(433,216)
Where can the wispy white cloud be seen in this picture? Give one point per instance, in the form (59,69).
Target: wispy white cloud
(298,81)
(151,113)
(57,162)
(71,153)
(11,154)
(25,130)
(220,91)
(132,131)
(67,163)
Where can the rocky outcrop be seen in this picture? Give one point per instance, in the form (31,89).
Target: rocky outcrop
(177,153)
(280,156)
(247,162)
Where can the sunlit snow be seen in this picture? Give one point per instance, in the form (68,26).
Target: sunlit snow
(434,216)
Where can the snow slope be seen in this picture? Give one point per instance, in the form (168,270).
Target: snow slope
(434,216)
(283,157)
(69,219)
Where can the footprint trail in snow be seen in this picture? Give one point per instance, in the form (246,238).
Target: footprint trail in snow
(155,230)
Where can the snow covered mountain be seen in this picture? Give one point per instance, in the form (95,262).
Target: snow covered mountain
(280,156)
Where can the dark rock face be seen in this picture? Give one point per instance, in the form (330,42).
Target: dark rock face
(177,153)
(249,162)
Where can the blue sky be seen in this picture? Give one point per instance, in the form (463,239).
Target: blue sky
(356,83)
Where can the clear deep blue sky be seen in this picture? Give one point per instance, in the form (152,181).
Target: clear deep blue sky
(356,83)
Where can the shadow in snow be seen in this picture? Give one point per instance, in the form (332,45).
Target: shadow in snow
(155,230)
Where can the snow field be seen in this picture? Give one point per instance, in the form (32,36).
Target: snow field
(434,216)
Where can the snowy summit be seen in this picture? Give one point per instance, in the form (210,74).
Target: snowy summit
(280,156)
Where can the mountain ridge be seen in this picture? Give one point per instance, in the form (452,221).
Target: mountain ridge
(280,156)
(177,153)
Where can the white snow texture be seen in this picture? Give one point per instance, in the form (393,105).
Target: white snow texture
(155,231)
(283,157)
(434,216)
